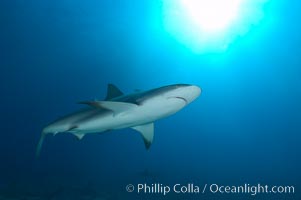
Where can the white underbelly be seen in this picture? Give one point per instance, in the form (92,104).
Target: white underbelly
(143,114)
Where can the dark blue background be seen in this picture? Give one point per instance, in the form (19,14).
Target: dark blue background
(244,128)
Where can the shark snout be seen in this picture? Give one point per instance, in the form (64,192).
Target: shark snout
(191,92)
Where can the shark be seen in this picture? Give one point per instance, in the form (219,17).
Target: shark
(138,110)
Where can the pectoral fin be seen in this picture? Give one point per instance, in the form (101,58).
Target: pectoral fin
(147,133)
(116,107)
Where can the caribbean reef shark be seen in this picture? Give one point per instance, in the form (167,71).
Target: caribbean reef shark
(138,111)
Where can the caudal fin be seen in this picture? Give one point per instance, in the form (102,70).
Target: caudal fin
(40,144)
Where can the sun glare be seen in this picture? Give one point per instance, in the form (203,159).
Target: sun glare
(210,25)
(211,15)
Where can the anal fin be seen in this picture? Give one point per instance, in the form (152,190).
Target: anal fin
(79,135)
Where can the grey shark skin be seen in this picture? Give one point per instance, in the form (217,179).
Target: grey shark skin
(138,110)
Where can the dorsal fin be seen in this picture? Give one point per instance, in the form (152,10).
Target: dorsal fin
(113,92)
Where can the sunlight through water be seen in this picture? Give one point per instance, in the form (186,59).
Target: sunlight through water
(210,25)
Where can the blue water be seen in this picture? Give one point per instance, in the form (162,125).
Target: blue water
(244,128)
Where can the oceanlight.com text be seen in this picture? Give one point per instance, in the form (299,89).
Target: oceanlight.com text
(251,189)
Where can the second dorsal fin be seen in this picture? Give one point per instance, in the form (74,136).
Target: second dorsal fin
(113,92)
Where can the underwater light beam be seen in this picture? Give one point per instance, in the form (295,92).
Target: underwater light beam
(210,25)
(211,15)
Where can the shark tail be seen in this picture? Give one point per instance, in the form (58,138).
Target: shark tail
(40,144)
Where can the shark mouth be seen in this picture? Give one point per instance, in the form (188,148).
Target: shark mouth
(182,98)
